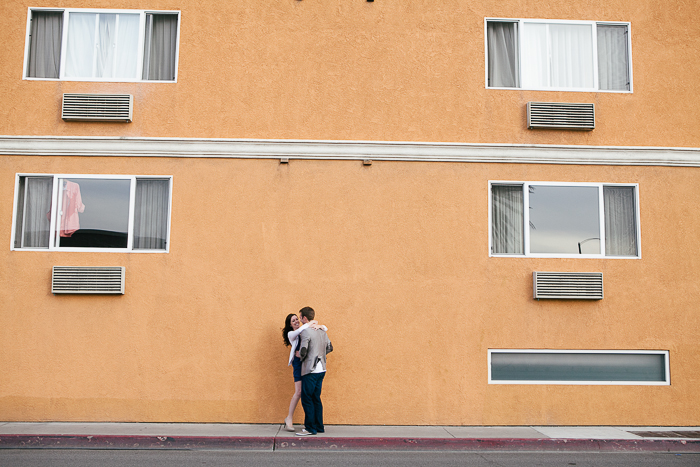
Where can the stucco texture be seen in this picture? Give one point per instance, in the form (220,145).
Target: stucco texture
(357,70)
(394,258)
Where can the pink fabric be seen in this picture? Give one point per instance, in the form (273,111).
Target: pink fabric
(72,205)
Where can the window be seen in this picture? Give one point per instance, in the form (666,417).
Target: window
(96,212)
(102,45)
(641,367)
(564,220)
(558,55)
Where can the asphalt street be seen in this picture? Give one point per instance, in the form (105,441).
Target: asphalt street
(158,458)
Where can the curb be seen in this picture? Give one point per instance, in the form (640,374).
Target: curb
(269,443)
(490,444)
(265,443)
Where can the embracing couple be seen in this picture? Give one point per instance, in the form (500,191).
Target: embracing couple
(309,345)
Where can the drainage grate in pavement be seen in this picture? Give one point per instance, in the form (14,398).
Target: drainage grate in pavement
(667,434)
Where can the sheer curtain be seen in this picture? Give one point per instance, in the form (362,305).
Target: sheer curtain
(159,48)
(534,56)
(620,221)
(557,55)
(105,50)
(613,60)
(507,219)
(572,55)
(126,45)
(503,54)
(45,44)
(102,45)
(151,214)
(81,44)
(36,214)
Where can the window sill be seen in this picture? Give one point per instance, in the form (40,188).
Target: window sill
(606,91)
(88,250)
(559,256)
(95,80)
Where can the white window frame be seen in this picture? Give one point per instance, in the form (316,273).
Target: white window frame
(526,220)
(55,200)
(665,353)
(64,43)
(594,43)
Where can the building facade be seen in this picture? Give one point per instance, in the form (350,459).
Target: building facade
(491,207)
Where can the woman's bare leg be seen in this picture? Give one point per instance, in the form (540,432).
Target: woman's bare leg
(293,404)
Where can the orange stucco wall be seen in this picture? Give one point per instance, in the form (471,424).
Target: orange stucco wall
(393,256)
(356,70)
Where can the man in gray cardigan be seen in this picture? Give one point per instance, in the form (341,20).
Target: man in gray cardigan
(313,347)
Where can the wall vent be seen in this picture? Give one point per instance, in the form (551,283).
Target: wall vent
(567,285)
(560,115)
(97,107)
(87,280)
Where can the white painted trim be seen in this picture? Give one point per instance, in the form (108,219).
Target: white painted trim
(107,146)
(665,353)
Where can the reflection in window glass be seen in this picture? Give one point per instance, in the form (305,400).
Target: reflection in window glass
(93,213)
(117,212)
(578,366)
(564,219)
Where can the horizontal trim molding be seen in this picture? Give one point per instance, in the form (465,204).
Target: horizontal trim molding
(346,150)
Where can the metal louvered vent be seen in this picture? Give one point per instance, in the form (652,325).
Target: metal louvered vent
(560,115)
(98,107)
(568,285)
(87,280)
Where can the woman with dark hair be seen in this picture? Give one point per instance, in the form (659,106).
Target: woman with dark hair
(290,334)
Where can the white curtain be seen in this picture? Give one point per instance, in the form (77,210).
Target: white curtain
(557,55)
(613,60)
(620,221)
(102,45)
(45,44)
(36,212)
(534,56)
(105,51)
(503,54)
(81,45)
(507,219)
(151,214)
(572,55)
(127,47)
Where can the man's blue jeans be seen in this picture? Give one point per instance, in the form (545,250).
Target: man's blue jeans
(311,386)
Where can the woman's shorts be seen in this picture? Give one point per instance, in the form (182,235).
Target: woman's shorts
(296,368)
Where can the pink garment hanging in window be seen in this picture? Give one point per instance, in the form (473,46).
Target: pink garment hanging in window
(72,205)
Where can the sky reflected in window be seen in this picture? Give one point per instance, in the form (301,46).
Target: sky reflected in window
(564,217)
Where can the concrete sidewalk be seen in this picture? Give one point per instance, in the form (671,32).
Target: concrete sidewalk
(343,437)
